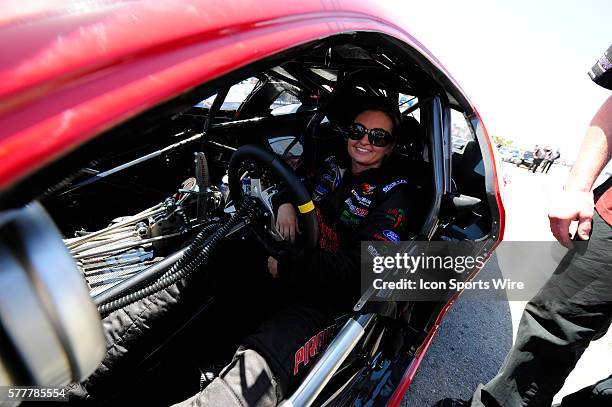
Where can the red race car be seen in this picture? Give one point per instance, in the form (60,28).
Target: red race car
(142,145)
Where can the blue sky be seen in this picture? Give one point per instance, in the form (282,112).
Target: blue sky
(522,63)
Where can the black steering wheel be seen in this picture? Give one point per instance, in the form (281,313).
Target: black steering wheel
(299,194)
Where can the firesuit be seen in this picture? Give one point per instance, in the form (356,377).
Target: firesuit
(372,205)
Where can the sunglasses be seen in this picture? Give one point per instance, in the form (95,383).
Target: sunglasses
(376,137)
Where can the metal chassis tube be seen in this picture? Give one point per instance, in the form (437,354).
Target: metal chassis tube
(346,340)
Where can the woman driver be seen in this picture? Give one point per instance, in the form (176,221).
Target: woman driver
(360,203)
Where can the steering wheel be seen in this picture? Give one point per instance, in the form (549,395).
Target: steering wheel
(299,194)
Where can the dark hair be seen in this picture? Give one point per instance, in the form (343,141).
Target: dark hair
(391,112)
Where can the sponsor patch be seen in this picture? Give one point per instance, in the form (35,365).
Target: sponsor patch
(392,185)
(397,216)
(312,348)
(338,177)
(361,199)
(319,192)
(359,211)
(367,189)
(333,173)
(347,217)
(321,189)
(355,209)
(391,235)
(331,159)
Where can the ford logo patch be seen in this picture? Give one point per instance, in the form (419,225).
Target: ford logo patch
(391,235)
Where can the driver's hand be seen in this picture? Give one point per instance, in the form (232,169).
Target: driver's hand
(273,266)
(568,206)
(286,222)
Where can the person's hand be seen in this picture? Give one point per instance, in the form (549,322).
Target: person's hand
(273,266)
(286,222)
(568,206)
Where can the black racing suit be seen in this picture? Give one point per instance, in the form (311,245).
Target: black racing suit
(373,205)
(350,208)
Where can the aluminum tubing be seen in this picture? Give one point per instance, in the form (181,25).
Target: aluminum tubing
(138,217)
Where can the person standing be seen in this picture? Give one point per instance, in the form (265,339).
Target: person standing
(554,156)
(575,306)
(538,157)
(547,158)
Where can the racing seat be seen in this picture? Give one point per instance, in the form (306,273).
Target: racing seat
(409,159)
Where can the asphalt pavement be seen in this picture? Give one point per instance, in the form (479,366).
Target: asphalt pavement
(468,349)
(475,336)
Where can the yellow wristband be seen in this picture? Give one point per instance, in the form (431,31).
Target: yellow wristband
(307,207)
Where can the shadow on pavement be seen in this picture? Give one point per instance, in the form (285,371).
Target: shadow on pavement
(469,348)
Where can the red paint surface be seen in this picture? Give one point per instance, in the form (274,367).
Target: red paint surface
(496,180)
(68,74)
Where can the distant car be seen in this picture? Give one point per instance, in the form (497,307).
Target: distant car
(526,160)
(510,154)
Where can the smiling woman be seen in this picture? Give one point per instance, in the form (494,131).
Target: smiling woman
(371,139)
(352,205)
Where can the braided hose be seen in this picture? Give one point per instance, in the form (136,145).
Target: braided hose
(195,256)
(203,181)
(194,250)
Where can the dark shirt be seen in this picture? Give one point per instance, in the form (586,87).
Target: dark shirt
(601,72)
(372,205)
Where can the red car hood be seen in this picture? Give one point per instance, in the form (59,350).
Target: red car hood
(71,70)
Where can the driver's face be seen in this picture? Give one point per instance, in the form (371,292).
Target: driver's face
(363,154)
